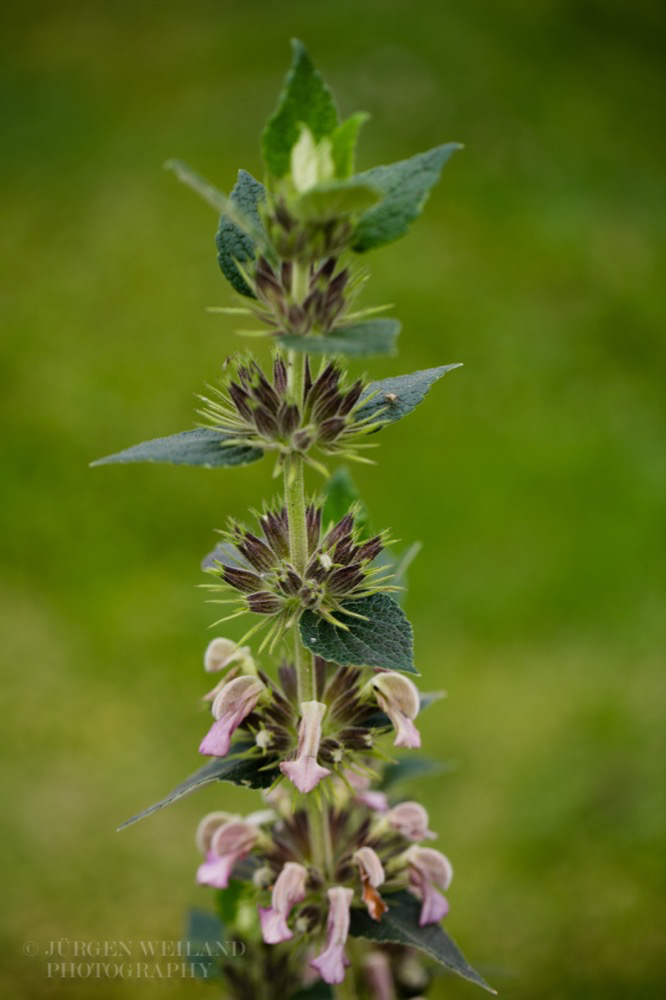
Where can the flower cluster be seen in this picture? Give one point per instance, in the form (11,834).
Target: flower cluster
(340,567)
(307,741)
(253,411)
(326,299)
(370,851)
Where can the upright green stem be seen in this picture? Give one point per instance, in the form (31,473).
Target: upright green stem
(294,495)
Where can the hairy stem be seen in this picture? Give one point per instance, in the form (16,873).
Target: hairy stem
(320,837)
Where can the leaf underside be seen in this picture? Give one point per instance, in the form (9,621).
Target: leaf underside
(398,396)
(382,639)
(234,246)
(357,340)
(399,925)
(405,186)
(235,767)
(202,447)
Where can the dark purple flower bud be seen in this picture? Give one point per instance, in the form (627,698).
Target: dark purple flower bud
(263,603)
(302,440)
(313,525)
(286,274)
(329,378)
(290,583)
(276,532)
(331,429)
(289,417)
(279,376)
(257,552)
(352,397)
(296,319)
(240,400)
(340,530)
(345,552)
(325,271)
(263,390)
(241,579)
(337,285)
(266,422)
(327,405)
(345,579)
(307,378)
(370,549)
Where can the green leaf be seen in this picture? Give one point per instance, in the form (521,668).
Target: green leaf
(360,340)
(332,199)
(392,399)
(341,494)
(305,100)
(383,638)
(228,900)
(203,933)
(399,925)
(234,245)
(316,991)
(408,768)
(343,144)
(199,447)
(405,186)
(235,767)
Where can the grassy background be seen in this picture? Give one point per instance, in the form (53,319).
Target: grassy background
(536,474)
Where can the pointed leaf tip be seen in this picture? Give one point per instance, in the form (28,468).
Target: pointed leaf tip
(405,186)
(399,925)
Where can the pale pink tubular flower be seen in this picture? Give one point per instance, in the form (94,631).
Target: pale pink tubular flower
(332,962)
(372,875)
(429,870)
(378,975)
(411,820)
(221,653)
(288,890)
(224,845)
(399,699)
(233,703)
(305,772)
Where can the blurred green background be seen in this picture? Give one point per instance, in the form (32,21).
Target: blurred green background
(536,474)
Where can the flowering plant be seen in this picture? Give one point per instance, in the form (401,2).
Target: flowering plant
(310,697)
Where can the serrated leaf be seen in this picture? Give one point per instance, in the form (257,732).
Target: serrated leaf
(398,396)
(332,199)
(358,340)
(343,143)
(235,768)
(399,925)
(305,100)
(382,639)
(202,446)
(234,245)
(405,186)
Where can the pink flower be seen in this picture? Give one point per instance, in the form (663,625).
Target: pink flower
(221,653)
(399,698)
(429,868)
(377,801)
(223,843)
(411,820)
(372,875)
(288,890)
(233,703)
(332,962)
(305,772)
